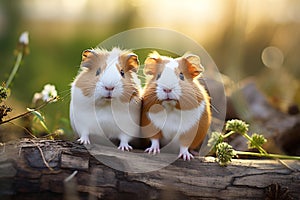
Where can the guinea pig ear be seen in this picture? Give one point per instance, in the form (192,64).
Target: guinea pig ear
(151,62)
(88,58)
(132,62)
(193,65)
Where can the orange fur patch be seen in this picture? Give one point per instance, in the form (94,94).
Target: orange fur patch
(128,62)
(87,78)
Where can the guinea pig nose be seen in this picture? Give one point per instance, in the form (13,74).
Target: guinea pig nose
(109,88)
(167,90)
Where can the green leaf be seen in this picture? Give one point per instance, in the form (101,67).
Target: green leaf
(40,118)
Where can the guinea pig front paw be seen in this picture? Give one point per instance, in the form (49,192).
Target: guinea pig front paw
(84,139)
(125,146)
(185,154)
(154,149)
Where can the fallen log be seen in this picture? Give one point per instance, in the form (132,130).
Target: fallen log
(280,129)
(47,169)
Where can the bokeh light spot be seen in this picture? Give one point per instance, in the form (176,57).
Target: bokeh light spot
(272,57)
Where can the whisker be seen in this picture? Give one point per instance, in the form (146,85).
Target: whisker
(190,97)
(65,91)
(130,85)
(214,108)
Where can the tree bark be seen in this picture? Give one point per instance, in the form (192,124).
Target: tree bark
(35,169)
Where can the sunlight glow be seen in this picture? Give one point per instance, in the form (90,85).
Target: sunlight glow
(53,10)
(197,17)
(200,19)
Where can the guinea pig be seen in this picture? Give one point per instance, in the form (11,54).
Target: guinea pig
(105,96)
(175,105)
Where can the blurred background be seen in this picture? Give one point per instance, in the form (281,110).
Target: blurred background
(245,38)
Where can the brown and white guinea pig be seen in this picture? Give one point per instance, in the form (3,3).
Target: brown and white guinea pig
(175,106)
(105,96)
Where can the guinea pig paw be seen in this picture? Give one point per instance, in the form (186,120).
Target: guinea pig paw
(125,146)
(153,150)
(185,154)
(84,140)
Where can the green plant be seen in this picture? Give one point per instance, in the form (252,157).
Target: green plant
(225,152)
(40,100)
(22,50)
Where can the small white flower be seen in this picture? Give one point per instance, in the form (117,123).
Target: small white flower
(49,92)
(36,97)
(24,39)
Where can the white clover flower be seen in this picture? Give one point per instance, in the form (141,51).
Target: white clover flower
(24,39)
(36,97)
(49,92)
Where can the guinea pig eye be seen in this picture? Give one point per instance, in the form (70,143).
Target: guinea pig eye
(122,73)
(181,76)
(158,76)
(98,72)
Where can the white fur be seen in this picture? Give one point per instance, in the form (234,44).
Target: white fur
(110,78)
(168,80)
(136,80)
(173,121)
(154,147)
(100,116)
(124,139)
(113,119)
(172,64)
(185,154)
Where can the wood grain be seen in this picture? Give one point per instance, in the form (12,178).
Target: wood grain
(24,174)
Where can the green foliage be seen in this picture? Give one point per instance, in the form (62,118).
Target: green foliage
(224,153)
(39,118)
(40,100)
(214,140)
(256,141)
(22,49)
(3,93)
(237,126)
